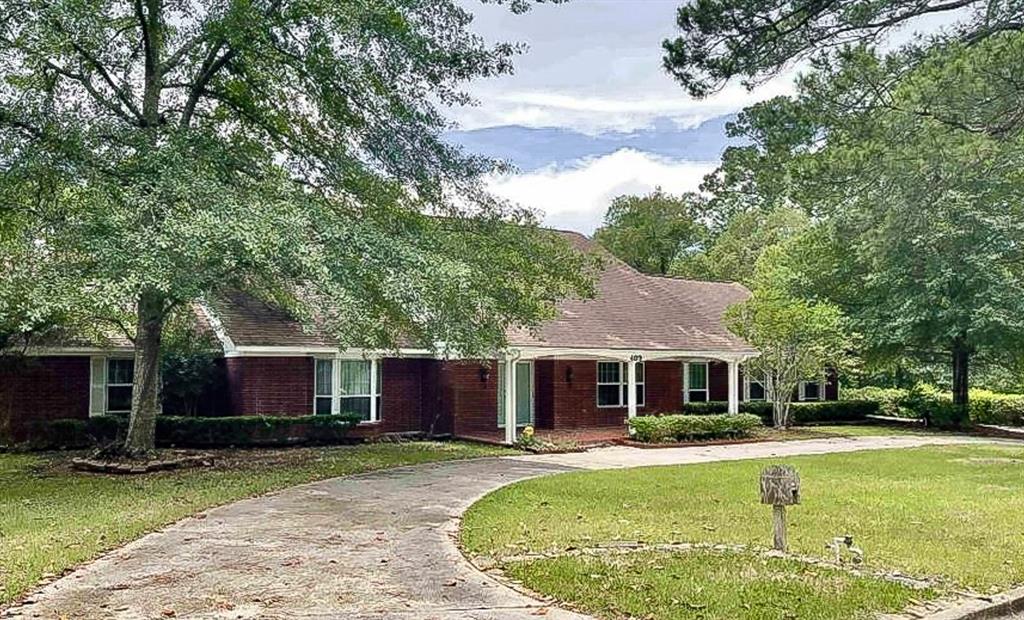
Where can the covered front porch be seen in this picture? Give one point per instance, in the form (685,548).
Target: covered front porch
(589,393)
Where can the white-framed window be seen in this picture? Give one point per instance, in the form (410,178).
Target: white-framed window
(120,379)
(753,389)
(348,386)
(111,382)
(812,390)
(695,382)
(613,384)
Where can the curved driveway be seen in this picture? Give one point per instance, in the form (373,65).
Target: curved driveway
(377,545)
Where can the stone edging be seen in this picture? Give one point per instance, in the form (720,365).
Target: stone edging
(1011,601)
(102,466)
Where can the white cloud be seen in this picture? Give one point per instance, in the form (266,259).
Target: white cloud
(594,114)
(576,197)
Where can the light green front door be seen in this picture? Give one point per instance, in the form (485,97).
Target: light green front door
(524,394)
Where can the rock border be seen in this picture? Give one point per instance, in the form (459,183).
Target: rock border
(994,606)
(100,466)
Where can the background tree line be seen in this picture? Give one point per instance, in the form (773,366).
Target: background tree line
(888,187)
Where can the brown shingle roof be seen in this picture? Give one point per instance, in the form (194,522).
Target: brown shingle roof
(249,321)
(630,311)
(635,311)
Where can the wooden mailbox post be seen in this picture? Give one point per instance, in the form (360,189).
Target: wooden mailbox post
(780,487)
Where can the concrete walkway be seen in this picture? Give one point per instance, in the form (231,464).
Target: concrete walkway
(378,545)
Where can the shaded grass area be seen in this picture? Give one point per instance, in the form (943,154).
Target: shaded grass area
(52,518)
(856,430)
(951,512)
(838,430)
(711,586)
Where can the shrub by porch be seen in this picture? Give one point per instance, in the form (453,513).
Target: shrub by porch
(655,429)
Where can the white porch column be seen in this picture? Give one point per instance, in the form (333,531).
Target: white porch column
(510,401)
(373,388)
(734,387)
(631,386)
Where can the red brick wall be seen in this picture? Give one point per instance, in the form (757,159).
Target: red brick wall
(471,403)
(284,386)
(544,384)
(436,419)
(271,385)
(401,395)
(42,388)
(574,403)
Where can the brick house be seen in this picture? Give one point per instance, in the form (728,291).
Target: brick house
(644,345)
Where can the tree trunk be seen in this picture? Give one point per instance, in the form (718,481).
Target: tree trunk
(141,439)
(961,379)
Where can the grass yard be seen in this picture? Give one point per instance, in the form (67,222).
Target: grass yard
(946,512)
(711,585)
(796,433)
(52,518)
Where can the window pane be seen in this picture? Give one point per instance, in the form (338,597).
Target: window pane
(640,394)
(608,395)
(355,378)
(120,371)
(698,376)
(698,396)
(756,391)
(359,406)
(324,377)
(812,390)
(640,372)
(323,405)
(608,372)
(380,380)
(119,398)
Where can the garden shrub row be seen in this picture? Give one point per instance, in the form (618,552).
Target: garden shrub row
(928,402)
(664,428)
(800,413)
(197,432)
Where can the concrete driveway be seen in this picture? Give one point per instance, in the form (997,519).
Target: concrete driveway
(378,545)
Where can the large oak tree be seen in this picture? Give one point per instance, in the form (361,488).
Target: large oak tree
(154,152)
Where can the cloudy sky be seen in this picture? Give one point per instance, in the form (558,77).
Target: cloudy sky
(589,114)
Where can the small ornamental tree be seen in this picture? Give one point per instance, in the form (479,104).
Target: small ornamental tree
(797,339)
(156,152)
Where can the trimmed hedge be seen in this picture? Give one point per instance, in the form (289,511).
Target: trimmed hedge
(987,407)
(800,413)
(926,401)
(888,399)
(200,432)
(662,428)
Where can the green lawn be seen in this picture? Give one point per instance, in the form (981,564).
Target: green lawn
(947,512)
(711,585)
(839,430)
(52,518)
(856,430)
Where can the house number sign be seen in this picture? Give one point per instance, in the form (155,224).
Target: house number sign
(780,487)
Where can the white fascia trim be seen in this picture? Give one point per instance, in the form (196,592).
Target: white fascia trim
(72,351)
(218,328)
(320,351)
(626,355)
